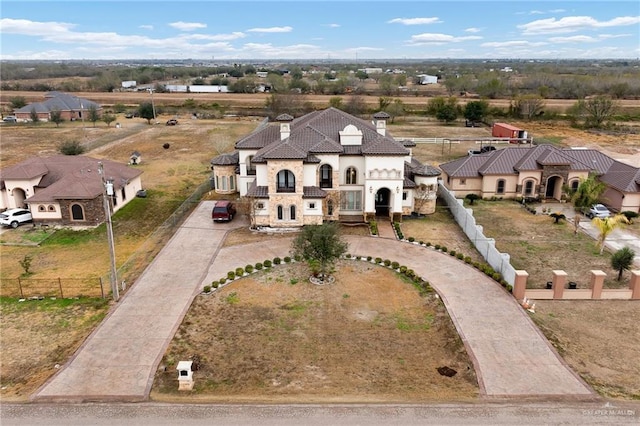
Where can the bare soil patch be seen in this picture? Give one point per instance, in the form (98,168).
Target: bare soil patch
(274,337)
(600,340)
(37,336)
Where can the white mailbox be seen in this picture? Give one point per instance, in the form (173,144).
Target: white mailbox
(185,375)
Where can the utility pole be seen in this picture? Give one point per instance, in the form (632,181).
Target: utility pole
(153,105)
(106,194)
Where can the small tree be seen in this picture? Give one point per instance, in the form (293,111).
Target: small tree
(588,192)
(33,114)
(606,225)
(596,110)
(472,198)
(320,246)
(108,119)
(529,106)
(18,102)
(93,115)
(622,259)
(56,117)
(145,110)
(71,148)
(25,262)
(476,110)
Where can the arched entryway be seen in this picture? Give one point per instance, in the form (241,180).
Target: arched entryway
(382,202)
(19,196)
(554,186)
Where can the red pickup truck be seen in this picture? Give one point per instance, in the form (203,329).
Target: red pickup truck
(223,211)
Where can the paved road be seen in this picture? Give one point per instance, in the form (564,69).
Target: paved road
(151,414)
(118,361)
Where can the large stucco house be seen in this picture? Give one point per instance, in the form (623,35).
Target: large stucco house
(544,172)
(70,107)
(326,165)
(67,189)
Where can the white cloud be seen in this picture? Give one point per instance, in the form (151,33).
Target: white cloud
(435,38)
(571,24)
(573,39)
(415,21)
(333,25)
(472,30)
(146,27)
(513,43)
(33,28)
(271,30)
(187,26)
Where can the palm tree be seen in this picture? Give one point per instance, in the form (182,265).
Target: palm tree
(606,225)
(621,260)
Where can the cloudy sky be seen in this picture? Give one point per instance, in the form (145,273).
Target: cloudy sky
(300,29)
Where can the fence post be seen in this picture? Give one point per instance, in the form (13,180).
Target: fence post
(20,288)
(101,288)
(60,287)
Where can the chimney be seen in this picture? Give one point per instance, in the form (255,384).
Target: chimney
(285,126)
(380,120)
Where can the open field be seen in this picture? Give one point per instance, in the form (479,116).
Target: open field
(170,175)
(275,337)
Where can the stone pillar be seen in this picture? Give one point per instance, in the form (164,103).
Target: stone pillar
(559,281)
(597,280)
(520,284)
(634,284)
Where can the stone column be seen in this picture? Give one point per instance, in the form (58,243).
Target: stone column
(634,284)
(597,280)
(559,281)
(520,284)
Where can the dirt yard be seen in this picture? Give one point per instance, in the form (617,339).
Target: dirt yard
(275,337)
(600,340)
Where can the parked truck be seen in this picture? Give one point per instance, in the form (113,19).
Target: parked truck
(504,130)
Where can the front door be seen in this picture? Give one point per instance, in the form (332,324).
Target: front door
(553,183)
(382,202)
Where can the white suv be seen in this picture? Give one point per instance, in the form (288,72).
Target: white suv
(15,217)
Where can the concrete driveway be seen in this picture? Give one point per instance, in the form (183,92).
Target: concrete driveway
(119,359)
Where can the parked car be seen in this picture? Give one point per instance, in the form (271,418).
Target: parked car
(598,210)
(223,211)
(482,150)
(128,115)
(10,119)
(172,122)
(15,217)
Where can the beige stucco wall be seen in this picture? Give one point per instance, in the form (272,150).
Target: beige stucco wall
(229,172)
(490,183)
(7,200)
(46,212)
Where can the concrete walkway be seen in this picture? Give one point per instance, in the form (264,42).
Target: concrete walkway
(118,361)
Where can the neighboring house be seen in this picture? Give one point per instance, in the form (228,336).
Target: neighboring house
(70,107)
(326,165)
(542,171)
(66,189)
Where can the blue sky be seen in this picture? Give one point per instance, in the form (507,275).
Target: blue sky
(234,30)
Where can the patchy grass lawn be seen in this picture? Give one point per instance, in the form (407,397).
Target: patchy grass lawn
(539,246)
(275,337)
(38,336)
(599,339)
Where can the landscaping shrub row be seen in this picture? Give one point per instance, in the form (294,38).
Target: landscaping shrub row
(416,280)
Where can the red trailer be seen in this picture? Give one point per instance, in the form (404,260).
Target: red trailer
(503,130)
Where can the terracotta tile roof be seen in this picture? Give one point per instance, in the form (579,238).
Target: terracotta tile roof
(319,132)
(226,159)
(69,176)
(313,192)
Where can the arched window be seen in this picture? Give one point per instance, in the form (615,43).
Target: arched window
(52,208)
(280,212)
(40,208)
(575,184)
(351,176)
(77,212)
(292,212)
(251,168)
(330,207)
(326,174)
(528,188)
(286,181)
(500,186)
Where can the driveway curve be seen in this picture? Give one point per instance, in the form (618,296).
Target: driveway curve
(118,360)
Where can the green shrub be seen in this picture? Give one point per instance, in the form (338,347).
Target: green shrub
(297,258)
(287,259)
(387,262)
(467,259)
(509,288)
(460,256)
(629,215)
(348,256)
(395,265)
(428,244)
(369,258)
(277,261)
(231,275)
(259,266)
(239,272)
(452,252)
(410,273)
(378,260)
(249,269)
(207,289)
(411,239)
(403,269)
(437,246)
(444,249)
(219,283)
(358,257)
(267,263)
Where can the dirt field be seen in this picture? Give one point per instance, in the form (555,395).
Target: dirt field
(599,339)
(275,337)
